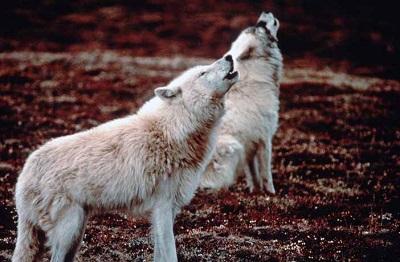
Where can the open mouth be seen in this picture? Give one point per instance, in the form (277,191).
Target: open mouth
(231,74)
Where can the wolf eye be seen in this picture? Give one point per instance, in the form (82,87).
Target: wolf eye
(202,73)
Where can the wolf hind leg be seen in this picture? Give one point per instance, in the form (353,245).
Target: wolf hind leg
(217,177)
(254,179)
(30,242)
(264,156)
(66,236)
(221,171)
(247,170)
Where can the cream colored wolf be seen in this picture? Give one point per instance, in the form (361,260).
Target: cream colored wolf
(251,120)
(145,163)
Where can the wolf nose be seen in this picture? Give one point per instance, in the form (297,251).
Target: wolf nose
(229,58)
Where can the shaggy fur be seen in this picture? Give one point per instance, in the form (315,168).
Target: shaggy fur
(148,163)
(252,105)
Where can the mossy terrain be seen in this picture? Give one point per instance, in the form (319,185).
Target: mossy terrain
(66,67)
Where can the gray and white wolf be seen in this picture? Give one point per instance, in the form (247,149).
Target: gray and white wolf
(146,163)
(245,140)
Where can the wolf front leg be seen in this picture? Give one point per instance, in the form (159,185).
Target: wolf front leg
(67,233)
(164,241)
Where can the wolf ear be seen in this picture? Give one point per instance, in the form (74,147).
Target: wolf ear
(269,22)
(166,93)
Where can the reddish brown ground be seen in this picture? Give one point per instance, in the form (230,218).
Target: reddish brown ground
(67,67)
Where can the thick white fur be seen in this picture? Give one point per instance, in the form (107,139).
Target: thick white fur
(148,163)
(252,105)
(229,156)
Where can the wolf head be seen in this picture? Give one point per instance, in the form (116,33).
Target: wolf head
(270,24)
(256,45)
(200,89)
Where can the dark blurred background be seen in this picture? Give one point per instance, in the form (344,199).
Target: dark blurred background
(360,36)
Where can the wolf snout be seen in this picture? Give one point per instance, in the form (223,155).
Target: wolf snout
(232,74)
(230,60)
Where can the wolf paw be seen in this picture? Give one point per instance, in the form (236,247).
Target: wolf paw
(269,187)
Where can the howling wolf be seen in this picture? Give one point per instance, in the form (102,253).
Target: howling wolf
(245,140)
(147,163)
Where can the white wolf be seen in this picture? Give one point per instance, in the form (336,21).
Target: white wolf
(148,163)
(251,120)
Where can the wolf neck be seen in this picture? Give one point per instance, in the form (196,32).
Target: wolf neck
(266,70)
(178,125)
(272,67)
(196,139)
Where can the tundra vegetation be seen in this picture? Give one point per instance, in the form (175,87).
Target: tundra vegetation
(68,67)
